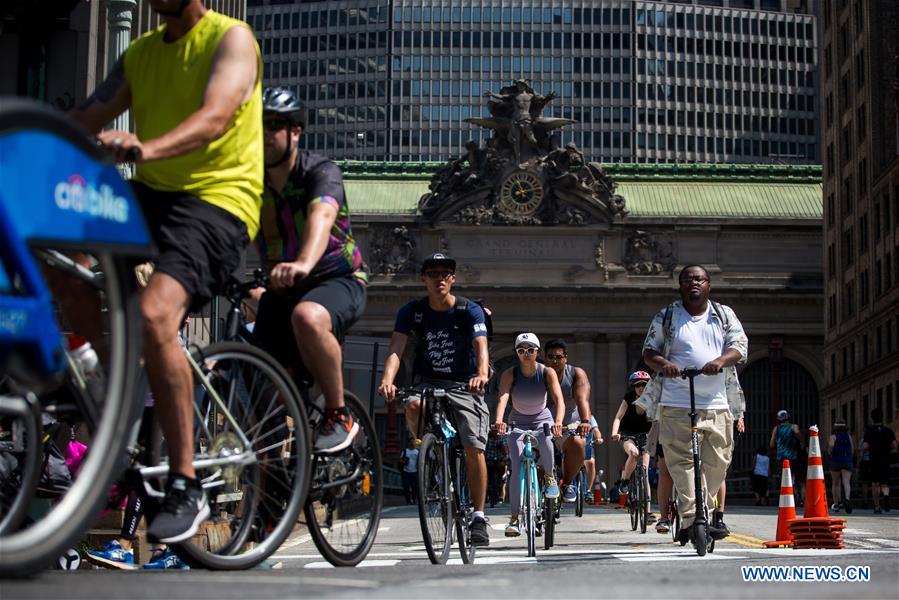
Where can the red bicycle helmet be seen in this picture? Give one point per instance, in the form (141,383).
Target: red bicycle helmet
(636,377)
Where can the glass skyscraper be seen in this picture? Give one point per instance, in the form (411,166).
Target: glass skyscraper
(703,81)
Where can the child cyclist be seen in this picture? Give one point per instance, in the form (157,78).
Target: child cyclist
(527,385)
(628,424)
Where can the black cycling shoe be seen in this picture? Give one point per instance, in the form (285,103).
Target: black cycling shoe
(478,530)
(184,508)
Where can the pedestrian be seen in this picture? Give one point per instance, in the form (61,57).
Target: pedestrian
(452,335)
(699,333)
(409,460)
(864,470)
(880,441)
(760,476)
(787,440)
(839,447)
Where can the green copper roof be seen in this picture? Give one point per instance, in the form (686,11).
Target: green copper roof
(650,190)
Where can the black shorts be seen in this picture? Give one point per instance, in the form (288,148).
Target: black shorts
(880,472)
(343,298)
(198,244)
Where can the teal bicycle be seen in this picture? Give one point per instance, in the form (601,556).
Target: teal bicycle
(537,511)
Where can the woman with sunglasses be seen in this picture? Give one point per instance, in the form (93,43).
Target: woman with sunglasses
(527,385)
(629,423)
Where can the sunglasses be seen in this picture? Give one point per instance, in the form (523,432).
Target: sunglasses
(439,274)
(529,351)
(555,356)
(696,279)
(275,124)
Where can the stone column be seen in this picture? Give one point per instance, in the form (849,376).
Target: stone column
(119,14)
(613,387)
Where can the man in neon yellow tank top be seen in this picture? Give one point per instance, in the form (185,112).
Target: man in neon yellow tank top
(194,88)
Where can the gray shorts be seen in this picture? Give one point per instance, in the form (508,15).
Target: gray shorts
(469,412)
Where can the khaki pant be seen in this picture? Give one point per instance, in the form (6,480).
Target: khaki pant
(715,451)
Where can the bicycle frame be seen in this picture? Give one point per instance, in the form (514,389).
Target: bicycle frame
(529,463)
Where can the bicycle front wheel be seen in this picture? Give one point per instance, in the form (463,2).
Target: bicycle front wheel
(530,509)
(435,509)
(581,482)
(346,494)
(549,526)
(104,407)
(241,393)
(632,495)
(643,495)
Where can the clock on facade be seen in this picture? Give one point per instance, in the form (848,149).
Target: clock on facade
(521,193)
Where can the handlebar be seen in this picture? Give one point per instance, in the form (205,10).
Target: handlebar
(237,291)
(132,155)
(437,392)
(546,430)
(690,372)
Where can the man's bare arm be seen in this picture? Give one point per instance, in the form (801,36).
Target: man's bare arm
(109,100)
(232,78)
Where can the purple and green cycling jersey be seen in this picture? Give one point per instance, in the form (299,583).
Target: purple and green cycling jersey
(314,180)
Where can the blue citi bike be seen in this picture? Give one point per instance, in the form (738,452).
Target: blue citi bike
(60,198)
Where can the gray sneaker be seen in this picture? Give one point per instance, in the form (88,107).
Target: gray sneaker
(570,495)
(335,433)
(551,489)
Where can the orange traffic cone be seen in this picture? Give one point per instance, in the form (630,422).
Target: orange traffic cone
(786,511)
(598,492)
(815,490)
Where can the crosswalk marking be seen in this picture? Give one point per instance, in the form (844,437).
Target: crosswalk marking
(363,564)
(669,556)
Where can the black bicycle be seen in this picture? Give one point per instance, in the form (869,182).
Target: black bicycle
(345,497)
(444,497)
(638,486)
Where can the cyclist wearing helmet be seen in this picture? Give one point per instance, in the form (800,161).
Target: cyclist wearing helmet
(628,424)
(318,278)
(194,88)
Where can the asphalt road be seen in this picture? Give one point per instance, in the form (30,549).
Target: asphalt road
(597,556)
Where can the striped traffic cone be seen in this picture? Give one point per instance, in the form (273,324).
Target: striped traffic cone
(815,490)
(786,509)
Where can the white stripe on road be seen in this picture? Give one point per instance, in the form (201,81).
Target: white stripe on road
(495,560)
(668,556)
(885,542)
(364,563)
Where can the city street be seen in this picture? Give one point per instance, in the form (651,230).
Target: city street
(596,556)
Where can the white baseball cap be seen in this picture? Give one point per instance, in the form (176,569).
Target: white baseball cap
(527,338)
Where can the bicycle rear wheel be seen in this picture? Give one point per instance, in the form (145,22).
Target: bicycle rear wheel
(530,509)
(343,519)
(464,509)
(580,483)
(435,508)
(253,505)
(106,405)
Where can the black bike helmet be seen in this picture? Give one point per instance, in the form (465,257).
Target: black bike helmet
(285,103)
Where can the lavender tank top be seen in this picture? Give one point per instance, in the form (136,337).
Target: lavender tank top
(528,393)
